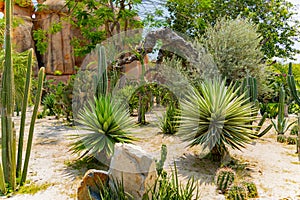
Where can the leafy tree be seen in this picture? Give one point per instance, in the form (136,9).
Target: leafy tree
(234,48)
(100,19)
(273,17)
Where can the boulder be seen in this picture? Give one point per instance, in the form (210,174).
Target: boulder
(22,38)
(135,167)
(91,184)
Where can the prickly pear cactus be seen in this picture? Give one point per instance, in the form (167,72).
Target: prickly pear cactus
(224,178)
(236,193)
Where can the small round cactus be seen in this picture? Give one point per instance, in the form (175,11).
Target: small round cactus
(236,193)
(224,178)
(251,189)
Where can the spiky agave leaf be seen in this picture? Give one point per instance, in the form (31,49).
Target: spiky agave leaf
(107,123)
(216,115)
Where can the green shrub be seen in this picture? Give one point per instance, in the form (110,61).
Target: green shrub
(49,104)
(215,116)
(224,178)
(235,47)
(281,138)
(169,122)
(295,130)
(291,140)
(107,121)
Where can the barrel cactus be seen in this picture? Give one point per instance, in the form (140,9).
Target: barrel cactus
(236,193)
(224,178)
(251,189)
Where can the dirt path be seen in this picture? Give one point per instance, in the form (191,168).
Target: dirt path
(272,166)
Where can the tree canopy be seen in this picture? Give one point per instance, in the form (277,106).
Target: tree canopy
(274,19)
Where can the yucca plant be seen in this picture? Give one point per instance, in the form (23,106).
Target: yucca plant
(215,116)
(107,123)
(169,122)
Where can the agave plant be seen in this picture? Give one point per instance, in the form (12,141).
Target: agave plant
(215,116)
(107,123)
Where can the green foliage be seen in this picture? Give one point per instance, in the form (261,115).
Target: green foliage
(251,189)
(169,187)
(236,193)
(224,178)
(295,130)
(169,122)
(271,109)
(98,20)
(215,116)
(41,40)
(275,20)
(282,124)
(19,67)
(107,123)
(291,140)
(49,104)
(234,45)
(281,138)
(163,158)
(186,16)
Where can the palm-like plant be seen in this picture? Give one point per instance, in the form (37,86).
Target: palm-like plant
(107,123)
(215,117)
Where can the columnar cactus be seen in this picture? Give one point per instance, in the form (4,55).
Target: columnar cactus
(282,125)
(8,168)
(224,178)
(236,193)
(102,80)
(292,86)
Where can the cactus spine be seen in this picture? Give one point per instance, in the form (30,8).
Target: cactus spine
(292,86)
(102,80)
(224,178)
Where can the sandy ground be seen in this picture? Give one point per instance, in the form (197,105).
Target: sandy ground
(274,167)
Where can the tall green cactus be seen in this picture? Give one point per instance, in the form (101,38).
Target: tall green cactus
(249,87)
(7,100)
(282,124)
(32,124)
(292,86)
(8,168)
(24,109)
(102,80)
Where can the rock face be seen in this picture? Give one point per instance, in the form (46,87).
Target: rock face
(22,33)
(59,55)
(91,182)
(135,167)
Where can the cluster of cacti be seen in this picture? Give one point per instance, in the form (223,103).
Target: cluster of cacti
(224,178)
(282,124)
(236,192)
(251,189)
(249,87)
(10,170)
(292,86)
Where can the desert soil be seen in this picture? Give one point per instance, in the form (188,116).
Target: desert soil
(274,167)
